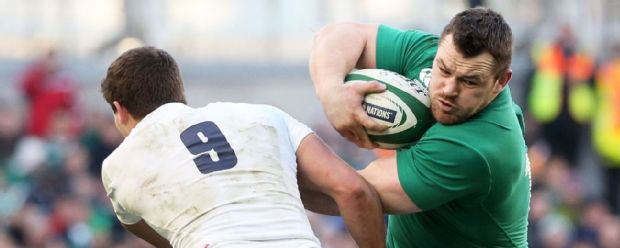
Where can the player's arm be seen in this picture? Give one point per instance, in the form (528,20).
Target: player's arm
(408,185)
(321,171)
(315,200)
(382,174)
(144,231)
(338,48)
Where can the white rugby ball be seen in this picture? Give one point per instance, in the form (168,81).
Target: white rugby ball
(404,106)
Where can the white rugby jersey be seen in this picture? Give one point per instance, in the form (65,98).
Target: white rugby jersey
(223,175)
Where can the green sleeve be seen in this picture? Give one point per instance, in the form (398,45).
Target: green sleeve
(437,170)
(405,52)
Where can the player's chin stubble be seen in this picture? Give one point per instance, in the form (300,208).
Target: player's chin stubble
(454,117)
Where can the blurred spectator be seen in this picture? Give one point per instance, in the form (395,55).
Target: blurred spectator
(27,227)
(560,215)
(606,125)
(10,132)
(555,231)
(540,206)
(6,241)
(560,97)
(610,233)
(99,138)
(587,230)
(49,93)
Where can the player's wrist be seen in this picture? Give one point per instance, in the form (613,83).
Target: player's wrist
(329,87)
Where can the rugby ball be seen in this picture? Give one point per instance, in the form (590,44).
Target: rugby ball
(404,106)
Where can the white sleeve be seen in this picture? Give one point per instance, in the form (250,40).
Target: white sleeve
(297,130)
(123,215)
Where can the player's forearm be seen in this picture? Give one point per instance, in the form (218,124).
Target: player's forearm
(362,212)
(336,50)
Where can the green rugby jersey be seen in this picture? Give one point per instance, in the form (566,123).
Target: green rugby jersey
(471,180)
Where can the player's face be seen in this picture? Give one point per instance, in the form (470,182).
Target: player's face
(460,87)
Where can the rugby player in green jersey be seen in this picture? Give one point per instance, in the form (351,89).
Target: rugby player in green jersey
(466,182)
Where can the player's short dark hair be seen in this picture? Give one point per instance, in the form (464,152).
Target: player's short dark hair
(142,79)
(478,30)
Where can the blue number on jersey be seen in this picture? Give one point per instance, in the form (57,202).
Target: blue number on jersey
(206,140)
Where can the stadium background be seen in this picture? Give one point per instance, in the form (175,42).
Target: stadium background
(251,51)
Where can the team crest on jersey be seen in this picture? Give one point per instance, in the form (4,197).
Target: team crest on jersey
(425,76)
(419,87)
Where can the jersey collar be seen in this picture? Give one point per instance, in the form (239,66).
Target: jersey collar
(164,111)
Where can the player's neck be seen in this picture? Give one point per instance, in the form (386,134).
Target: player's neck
(126,128)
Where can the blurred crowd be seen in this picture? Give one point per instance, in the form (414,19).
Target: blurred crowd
(51,152)
(50,160)
(572,103)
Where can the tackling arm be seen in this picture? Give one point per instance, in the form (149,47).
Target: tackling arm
(322,173)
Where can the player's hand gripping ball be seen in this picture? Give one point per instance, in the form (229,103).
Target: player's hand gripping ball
(404,107)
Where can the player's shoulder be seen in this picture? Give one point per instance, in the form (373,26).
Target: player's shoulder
(111,163)
(117,155)
(242,106)
(413,33)
(233,108)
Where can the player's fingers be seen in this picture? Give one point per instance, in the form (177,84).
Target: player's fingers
(371,124)
(370,87)
(357,136)
(363,119)
(347,134)
(362,139)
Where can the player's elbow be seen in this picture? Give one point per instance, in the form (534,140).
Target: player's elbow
(352,191)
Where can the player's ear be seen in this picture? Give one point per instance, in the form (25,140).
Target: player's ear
(503,80)
(122,115)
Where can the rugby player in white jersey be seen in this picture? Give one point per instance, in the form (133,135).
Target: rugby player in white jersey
(224,175)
